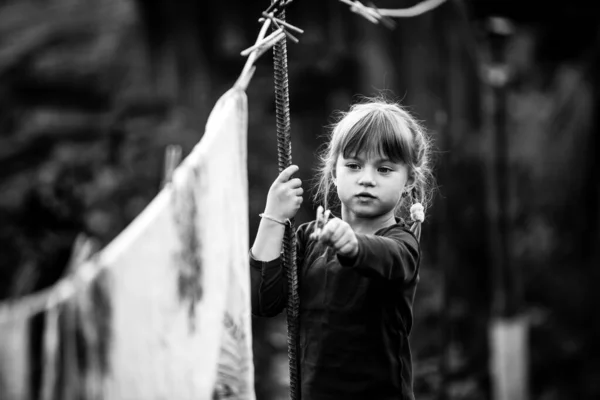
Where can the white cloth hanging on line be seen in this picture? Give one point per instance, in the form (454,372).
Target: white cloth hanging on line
(181,324)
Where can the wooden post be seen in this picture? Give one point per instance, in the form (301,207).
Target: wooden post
(508,329)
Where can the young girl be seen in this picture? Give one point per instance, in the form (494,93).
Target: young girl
(358,273)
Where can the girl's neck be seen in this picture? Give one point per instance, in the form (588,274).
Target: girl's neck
(368,225)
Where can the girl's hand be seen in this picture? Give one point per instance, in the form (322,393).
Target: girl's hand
(285,195)
(339,235)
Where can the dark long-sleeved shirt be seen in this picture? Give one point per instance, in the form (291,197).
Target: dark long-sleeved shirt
(355,313)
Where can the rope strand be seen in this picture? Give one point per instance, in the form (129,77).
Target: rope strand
(284,156)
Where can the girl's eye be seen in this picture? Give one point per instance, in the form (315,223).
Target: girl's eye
(385,170)
(352,166)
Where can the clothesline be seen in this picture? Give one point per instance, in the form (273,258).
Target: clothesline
(376,15)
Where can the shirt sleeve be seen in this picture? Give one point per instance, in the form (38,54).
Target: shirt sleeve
(392,256)
(268,286)
(269,281)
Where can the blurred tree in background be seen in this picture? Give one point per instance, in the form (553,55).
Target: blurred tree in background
(91,92)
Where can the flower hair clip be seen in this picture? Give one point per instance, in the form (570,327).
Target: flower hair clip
(417,212)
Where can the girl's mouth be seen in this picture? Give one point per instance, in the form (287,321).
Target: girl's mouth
(365,195)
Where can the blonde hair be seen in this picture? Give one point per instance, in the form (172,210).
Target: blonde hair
(383,128)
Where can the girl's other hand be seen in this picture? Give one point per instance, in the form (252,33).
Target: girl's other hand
(340,236)
(285,195)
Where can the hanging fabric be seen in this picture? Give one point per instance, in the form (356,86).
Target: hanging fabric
(14,359)
(180,277)
(163,311)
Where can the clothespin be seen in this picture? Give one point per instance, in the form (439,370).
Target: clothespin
(386,21)
(249,68)
(263,43)
(172,160)
(277,6)
(383,15)
(360,9)
(83,249)
(320,221)
(282,25)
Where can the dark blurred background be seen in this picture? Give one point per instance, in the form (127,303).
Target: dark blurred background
(91,93)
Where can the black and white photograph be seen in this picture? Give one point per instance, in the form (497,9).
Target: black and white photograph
(299,200)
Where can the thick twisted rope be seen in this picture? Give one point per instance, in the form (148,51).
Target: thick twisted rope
(284,157)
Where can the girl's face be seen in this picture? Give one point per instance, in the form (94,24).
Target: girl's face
(369,185)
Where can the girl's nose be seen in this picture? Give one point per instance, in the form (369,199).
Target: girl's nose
(366,178)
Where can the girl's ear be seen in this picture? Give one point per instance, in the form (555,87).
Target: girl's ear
(409,185)
(410,182)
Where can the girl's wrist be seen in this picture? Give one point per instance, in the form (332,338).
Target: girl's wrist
(275,212)
(274,218)
(352,253)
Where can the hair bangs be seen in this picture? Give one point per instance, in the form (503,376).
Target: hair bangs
(378,134)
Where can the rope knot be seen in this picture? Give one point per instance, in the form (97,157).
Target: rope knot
(417,212)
